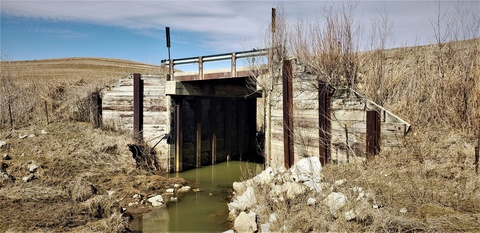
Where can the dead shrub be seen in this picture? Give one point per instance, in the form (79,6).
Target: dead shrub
(82,190)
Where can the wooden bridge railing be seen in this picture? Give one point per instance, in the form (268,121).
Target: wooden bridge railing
(211,58)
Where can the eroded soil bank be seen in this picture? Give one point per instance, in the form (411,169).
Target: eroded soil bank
(84,181)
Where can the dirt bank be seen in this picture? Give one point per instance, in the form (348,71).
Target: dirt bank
(85,180)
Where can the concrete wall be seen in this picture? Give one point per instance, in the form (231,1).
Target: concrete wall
(348,117)
(117,110)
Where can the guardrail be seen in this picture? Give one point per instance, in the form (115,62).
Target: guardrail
(211,58)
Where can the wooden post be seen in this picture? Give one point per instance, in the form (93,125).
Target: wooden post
(138,107)
(241,127)
(10,113)
(213,126)
(178,135)
(288,139)
(198,130)
(95,110)
(228,128)
(477,154)
(46,111)
(373,134)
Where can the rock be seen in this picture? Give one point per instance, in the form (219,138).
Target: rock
(173,199)
(306,169)
(31,135)
(350,215)
(110,192)
(6,177)
(246,222)
(265,227)
(177,186)
(28,178)
(403,210)
(244,201)
(311,201)
(293,189)
(273,217)
(184,189)
(340,182)
(170,190)
(20,136)
(136,196)
(264,177)
(239,187)
(314,184)
(44,131)
(3,144)
(335,201)
(6,157)
(156,200)
(32,168)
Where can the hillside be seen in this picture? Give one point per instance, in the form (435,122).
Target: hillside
(57,86)
(83,175)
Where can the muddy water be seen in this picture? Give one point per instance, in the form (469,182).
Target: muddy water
(203,211)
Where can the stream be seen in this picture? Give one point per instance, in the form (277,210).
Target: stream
(203,211)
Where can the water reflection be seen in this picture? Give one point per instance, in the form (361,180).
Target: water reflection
(204,211)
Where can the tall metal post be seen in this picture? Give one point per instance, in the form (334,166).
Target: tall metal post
(138,107)
(373,134)
(170,63)
(324,123)
(288,136)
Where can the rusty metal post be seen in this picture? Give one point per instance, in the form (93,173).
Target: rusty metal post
(197,115)
(200,68)
(373,134)
(95,110)
(137,107)
(178,134)
(170,65)
(324,123)
(288,140)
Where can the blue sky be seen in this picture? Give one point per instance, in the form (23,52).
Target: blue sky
(135,30)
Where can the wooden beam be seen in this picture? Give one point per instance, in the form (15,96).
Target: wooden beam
(228,128)
(209,88)
(178,134)
(213,128)
(198,131)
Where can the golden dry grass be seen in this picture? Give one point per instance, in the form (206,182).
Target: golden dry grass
(78,165)
(30,89)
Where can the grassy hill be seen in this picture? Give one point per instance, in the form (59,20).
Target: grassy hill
(84,175)
(57,86)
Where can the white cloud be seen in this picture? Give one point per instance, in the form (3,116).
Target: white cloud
(229,24)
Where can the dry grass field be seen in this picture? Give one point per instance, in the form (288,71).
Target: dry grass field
(84,175)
